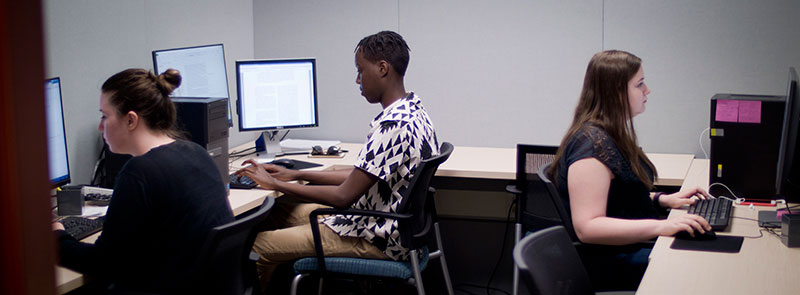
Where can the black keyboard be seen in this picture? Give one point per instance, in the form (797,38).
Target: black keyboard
(97,199)
(716,211)
(242,182)
(81,227)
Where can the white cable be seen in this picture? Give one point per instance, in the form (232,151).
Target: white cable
(700,141)
(729,190)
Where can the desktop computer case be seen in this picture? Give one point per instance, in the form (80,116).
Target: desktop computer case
(205,122)
(744,155)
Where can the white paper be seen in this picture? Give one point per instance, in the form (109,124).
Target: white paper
(305,144)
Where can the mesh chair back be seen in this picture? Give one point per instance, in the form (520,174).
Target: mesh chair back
(225,264)
(535,210)
(558,203)
(414,201)
(549,263)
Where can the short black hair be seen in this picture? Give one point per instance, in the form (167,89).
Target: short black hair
(388,46)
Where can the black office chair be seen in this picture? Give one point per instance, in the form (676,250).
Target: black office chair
(535,208)
(550,265)
(416,217)
(228,263)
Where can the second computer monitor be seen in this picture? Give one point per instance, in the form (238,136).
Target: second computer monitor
(787,175)
(202,71)
(57,157)
(276,94)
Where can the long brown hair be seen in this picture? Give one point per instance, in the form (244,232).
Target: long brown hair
(604,103)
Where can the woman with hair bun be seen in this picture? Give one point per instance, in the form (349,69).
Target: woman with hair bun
(166,198)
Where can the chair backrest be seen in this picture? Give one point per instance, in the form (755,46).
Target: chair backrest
(225,266)
(414,232)
(549,263)
(535,209)
(558,203)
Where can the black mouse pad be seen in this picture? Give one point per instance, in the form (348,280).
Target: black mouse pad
(300,165)
(725,244)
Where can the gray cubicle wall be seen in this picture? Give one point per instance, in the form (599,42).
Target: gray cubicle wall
(88,41)
(495,73)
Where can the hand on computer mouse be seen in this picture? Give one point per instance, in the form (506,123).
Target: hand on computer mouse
(707,236)
(683,222)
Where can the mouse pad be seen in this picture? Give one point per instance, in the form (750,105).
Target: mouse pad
(299,165)
(725,244)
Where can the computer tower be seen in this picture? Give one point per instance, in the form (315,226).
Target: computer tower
(205,122)
(745,138)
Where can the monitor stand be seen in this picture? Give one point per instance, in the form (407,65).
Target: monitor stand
(268,146)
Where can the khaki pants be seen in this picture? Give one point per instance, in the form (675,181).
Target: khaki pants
(289,237)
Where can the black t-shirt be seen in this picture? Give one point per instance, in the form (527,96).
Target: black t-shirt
(164,204)
(628,197)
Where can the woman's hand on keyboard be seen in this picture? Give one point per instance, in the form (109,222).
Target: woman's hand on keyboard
(682,198)
(57,226)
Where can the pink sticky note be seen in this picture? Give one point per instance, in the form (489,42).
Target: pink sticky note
(727,111)
(749,111)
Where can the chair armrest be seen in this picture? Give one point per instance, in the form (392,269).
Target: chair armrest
(312,218)
(512,188)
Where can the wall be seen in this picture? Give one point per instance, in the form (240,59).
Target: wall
(491,73)
(496,73)
(88,41)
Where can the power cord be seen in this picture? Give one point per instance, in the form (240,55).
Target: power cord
(700,142)
(502,251)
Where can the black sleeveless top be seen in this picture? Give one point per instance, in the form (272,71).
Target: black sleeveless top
(628,197)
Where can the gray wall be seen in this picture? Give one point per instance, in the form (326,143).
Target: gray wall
(88,41)
(491,73)
(496,73)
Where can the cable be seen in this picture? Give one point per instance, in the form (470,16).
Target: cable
(727,188)
(502,251)
(700,141)
(460,286)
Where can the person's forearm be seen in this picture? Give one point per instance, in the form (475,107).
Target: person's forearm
(323,194)
(331,177)
(615,231)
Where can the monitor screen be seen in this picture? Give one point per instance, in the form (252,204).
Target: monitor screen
(276,94)
(57,157)
(786,182)
(202,68)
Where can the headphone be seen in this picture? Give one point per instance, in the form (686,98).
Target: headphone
(332,151)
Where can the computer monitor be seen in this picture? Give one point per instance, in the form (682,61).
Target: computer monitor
(203,73)
(787,182)
(276,94)
(57,157)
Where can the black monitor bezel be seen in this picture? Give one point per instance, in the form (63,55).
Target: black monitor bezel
(788,146)
(63,180)
(276,61)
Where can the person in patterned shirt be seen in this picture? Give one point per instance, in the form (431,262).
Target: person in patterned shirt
(401,136)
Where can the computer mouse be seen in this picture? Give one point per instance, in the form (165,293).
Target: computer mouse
(288,163)
(707,236)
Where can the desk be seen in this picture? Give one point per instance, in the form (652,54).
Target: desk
(465,162)
(764,265)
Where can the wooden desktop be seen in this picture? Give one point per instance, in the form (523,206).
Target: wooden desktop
(465,162)
(763,266)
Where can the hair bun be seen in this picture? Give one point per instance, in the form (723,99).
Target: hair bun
(169,80)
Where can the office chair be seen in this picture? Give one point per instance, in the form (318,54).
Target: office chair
(550,265)
(535,208)
(228,263)
(416,216)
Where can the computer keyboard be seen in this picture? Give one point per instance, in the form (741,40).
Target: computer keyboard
(96,195)
(81,227)
(242,182)
(716,211)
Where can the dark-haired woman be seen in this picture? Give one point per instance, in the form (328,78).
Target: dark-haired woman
(606,179)
(166,198)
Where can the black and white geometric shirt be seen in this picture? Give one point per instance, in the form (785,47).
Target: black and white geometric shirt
(401,136)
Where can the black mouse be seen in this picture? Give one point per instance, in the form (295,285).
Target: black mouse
(288,163)
(684,235)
